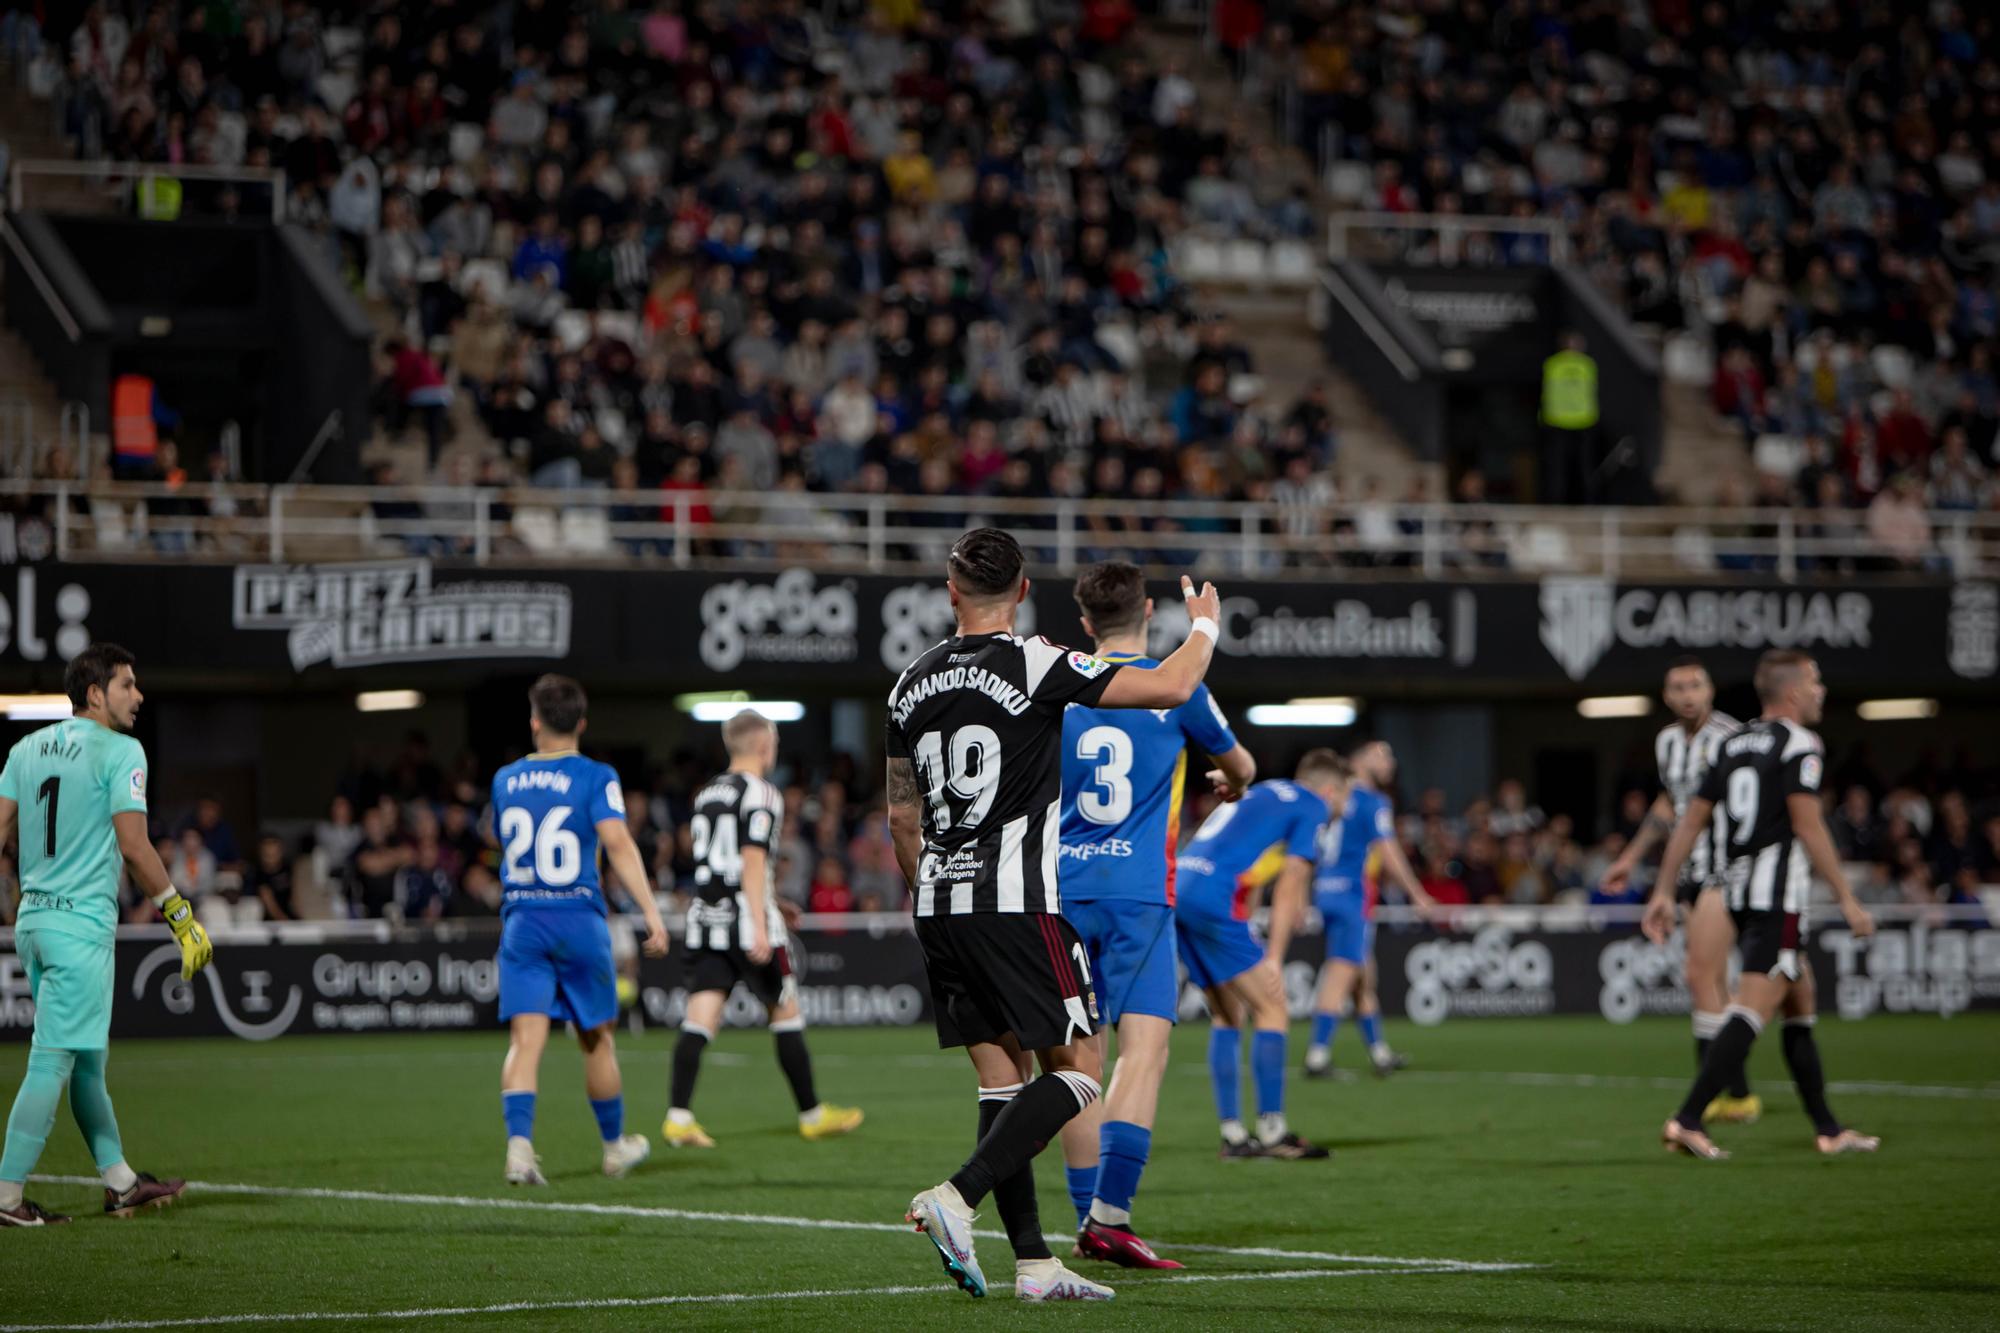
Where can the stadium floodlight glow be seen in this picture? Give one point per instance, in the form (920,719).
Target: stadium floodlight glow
(721,710)
(35,707)
(1896,710)
(1615,705)
(388,701)
(1327,711)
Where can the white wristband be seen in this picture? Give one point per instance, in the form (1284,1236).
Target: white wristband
(1206,625)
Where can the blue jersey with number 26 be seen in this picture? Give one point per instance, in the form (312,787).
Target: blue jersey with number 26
(546,809)
(1121,793)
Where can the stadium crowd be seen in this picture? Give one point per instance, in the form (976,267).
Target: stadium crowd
(402,838)
(1810,191)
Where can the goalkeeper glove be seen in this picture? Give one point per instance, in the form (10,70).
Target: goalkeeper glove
(196,951)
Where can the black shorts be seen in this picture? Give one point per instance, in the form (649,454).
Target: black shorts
(1689,888)
(772,982)
(999,972)
(1773,943)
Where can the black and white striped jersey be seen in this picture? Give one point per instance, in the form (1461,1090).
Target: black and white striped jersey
(980,719)
(733,813)
(1754,773)
(1684,761)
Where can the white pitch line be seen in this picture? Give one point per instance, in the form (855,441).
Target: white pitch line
(1534,1080)
(651,1302)
(757,1219)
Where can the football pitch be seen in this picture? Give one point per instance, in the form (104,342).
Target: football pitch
(1509,1179)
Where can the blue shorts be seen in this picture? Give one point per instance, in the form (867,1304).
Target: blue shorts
(557,961)
(1131,947)
(1350,935)
(1215,945)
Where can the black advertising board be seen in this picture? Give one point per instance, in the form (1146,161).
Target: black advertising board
(405,620)
(447,981)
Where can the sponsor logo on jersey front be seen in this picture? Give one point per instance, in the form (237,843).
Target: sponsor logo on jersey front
(390,611)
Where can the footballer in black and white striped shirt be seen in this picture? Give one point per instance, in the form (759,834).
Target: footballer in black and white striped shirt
(974,744)
(1685,749)
(1766,782)
(735,934)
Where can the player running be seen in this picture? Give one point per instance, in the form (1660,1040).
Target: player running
(975,796)
(1685,750)
(1365,830)
(1122,771)
(552,811)
(734,933)
(1766,784)
(85,779)
(1272,831)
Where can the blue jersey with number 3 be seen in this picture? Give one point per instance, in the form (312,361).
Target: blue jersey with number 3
(546,809)
(1121,793)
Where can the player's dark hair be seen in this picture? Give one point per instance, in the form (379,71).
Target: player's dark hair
(1777,669)
(1322,763)
(95,665)
(985,562)
(1113,594)
(739,731)
(559,702)
(1687,662)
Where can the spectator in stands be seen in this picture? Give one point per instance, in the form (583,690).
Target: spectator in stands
(270,879)
(423,885)
(373,867)
(189,864)
(1857,833)
(336,836)
(216,833)
(1898,524)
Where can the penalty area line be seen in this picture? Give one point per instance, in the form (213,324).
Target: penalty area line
(488,1204)
(656,1302)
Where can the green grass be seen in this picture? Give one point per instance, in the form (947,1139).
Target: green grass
(1449,1161)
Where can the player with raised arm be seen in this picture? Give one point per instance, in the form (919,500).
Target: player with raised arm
(1366,828)
(1685,750)
(1271,834)
(734,933)
(552,811)
(1121,794)
(83,781)
(1766,782)
(974,740)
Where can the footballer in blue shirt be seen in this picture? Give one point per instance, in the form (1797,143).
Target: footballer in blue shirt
(551,813)
(1365,834)
(1271,834)
(1123,770)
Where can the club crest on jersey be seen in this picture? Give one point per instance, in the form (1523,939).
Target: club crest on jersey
(1087,666)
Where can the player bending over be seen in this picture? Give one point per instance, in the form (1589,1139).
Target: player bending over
(975,795)
(734,933)
(1273,829)
(1766,784)
(1367,827)
(1685,750)
(1122,770)
(84,781)
(552,811)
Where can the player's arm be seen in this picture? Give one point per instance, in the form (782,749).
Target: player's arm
(1398,867)
(1288,906)
(1809,827)
(1658,823)
(10,812)
(1659,918)
(1172,683)
(760,830)
(906,815)
(150,874)
(1234,771)
(623,854)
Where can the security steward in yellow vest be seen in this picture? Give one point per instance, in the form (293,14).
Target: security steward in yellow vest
(1569,425)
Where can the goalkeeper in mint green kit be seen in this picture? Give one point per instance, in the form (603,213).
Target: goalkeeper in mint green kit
(75,792)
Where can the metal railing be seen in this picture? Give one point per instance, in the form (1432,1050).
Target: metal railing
(121,179)
(1458,235)
(114,521)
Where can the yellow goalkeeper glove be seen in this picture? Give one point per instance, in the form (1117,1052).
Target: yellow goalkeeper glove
(196,951)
